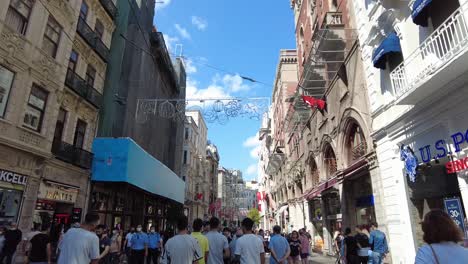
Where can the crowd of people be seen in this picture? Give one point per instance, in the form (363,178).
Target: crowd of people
(206,242)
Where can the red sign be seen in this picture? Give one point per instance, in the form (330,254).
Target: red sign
(456,165)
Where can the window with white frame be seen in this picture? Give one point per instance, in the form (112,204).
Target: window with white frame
(35,108)
(6,81)
(51,39)
(18,15)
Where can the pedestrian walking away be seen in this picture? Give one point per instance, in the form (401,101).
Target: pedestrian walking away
(12,239)
(202,240)
(350,247)
(441,235)
(80,245)
(219,246)
(128,242)
(279,247)
(249,249)
(363,245)
(104,244)
(39,247)
(154,246)
(378,242)
(182,248)
(139,246)
(232,245)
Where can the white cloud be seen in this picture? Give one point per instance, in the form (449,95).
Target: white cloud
(189,67)
(199,22)
(212,91)
(235,83)
(251,141)
(252,169)
(170,42)
(182,31)
(158,5)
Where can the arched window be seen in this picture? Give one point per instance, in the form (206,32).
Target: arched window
(314,173)
(355,143)
(330,161)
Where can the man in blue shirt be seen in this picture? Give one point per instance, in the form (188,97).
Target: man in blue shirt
(279,247)
(154,246)
(139,242)
(378,241)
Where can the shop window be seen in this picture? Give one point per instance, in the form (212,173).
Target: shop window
(36,108)
(18,14)
(84,11)
(73,60)
(99,201)
(99,28)
(51,37)
(10,201)
(6,81)
(90,75)
(80,133)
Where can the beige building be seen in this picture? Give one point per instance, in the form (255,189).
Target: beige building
(53,57)
(194,166)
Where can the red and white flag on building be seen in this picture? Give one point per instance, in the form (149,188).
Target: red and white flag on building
(314,102)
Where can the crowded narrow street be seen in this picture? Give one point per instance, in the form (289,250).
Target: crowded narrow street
(233,132)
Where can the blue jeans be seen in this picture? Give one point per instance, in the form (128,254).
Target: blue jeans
(377,258)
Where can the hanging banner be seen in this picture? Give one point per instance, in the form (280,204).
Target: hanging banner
(454,209)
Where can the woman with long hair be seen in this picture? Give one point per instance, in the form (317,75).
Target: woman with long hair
(441,235)
(295,246)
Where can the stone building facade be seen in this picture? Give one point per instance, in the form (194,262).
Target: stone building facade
(417,100)
(53,58)
(323,177)
(212,163)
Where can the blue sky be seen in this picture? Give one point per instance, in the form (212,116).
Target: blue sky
(240,37)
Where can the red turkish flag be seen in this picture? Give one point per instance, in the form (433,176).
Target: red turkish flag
(314,102)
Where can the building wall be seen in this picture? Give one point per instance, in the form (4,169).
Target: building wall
(29,152)
(142,73)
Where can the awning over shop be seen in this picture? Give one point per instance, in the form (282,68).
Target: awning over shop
(282,209)
(122,160)
(390,45)
(420,12)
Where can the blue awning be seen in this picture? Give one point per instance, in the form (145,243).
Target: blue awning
(391,44)
(122,160)
(420,12)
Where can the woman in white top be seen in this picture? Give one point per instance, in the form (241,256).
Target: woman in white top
(441,235)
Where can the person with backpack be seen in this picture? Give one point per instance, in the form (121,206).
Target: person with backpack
(295,247)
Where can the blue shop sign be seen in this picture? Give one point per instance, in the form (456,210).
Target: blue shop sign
(454,209)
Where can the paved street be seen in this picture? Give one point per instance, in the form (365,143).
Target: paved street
(315,259)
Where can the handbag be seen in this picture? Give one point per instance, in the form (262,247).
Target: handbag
(435,255)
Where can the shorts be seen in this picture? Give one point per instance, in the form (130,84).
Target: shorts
(298,257)
(304,255)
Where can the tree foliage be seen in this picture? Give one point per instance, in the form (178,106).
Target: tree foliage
(254,214)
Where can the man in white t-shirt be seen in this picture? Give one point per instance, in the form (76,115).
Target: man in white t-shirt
(249,248)
(182,248)
(80,245)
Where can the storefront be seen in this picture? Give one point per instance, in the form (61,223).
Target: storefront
(316,218)
(130,187)
(11,195)
(56,204)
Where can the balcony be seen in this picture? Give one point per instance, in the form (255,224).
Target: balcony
(439,59)
(110,8)
(358,151)
(71,154)
(80,87)
(333,19)
(93,40)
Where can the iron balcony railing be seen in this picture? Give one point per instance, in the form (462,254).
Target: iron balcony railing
(358,151)
(333,19)
(93,39)
(80,87)
(442,46)
(71,154)
(110,8)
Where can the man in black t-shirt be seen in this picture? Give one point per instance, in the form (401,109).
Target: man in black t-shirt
(12,239)
(104,244)
(40,251)
(350,248)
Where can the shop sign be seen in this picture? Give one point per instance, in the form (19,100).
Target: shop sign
(454,209)
(440,149)
(57,193)
(11,177)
